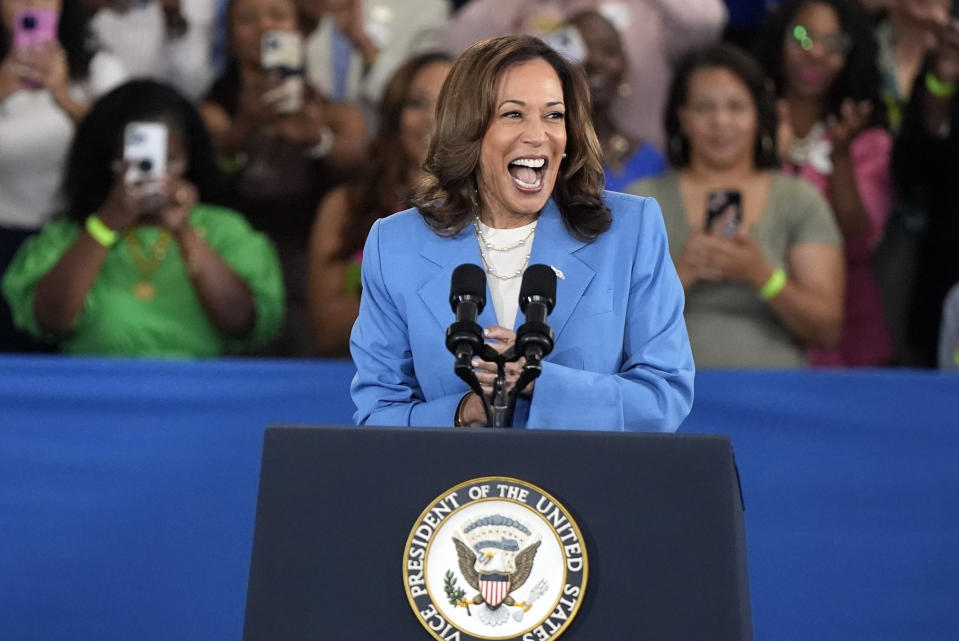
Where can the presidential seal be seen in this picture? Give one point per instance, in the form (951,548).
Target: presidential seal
(495,558)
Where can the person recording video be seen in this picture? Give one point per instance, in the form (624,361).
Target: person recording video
(514,178)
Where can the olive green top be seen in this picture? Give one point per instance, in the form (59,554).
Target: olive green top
(729,325)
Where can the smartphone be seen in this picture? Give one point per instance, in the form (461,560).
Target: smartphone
(569,43)
(34,27)
(724,212)
(281,52)
(144,156)
(281,55)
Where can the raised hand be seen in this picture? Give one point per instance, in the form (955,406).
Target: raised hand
(182,198)
(853,118)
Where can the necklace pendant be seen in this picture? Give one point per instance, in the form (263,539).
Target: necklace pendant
(145,290)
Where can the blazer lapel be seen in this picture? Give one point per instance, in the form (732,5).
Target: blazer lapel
(552,246)
(446,254)
(555,247)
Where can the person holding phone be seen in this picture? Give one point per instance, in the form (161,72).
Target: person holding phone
(283,143)
(592,40)
(141,263)
(48,75)
(926,164)
(758,252)
(821,56)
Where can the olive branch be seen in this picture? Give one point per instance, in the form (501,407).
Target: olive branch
(455,593)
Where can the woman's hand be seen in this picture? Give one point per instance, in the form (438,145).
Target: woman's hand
(692,263)
(182,198)
(254,106)
(125,203)
(306,125)
(9,78)
(46,65)
(946,66)
(738,259)
(350,20)
(853,118)
(501,340)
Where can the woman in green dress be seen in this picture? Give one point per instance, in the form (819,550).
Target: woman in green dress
(145,266)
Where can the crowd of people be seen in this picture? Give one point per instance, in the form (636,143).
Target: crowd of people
(804,165)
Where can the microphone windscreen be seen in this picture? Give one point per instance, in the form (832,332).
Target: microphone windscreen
(540,281)
(468,280)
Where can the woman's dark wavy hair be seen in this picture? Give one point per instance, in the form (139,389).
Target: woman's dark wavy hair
(98,142)
(447,197)
(743,66)
(859,79)
(73,36)
(374,194)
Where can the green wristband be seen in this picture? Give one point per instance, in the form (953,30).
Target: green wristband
(100,232)
(774,285)
(939,88)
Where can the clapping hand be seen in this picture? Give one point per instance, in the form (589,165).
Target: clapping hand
(853,117)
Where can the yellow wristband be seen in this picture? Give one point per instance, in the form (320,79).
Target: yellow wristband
(774,285)
(939,88)
(100,232)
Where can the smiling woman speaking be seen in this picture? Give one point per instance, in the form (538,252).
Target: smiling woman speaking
(514,177)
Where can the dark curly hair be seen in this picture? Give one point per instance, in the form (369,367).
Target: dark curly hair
(859,79)
(73,36)
(743,66)
(466,106)
(98,141)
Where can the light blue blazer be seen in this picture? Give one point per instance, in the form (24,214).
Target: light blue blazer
(621,359)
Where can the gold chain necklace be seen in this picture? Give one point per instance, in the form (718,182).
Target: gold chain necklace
(144,289)
(485,245)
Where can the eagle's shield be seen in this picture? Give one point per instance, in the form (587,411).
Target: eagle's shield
(494,588)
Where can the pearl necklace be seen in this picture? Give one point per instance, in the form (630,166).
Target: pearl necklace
(485,245)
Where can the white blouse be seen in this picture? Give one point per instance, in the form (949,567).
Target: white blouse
(35,135)
(505,292)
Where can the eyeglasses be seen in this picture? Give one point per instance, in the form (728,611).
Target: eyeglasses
(831,42)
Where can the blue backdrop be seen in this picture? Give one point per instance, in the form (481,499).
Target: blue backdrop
(128,494)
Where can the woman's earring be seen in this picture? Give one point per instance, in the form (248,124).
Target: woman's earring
(564,154)
(624,90)
(767,143)
(676,145)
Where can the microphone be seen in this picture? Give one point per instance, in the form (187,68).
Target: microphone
(537,297)
(464,338)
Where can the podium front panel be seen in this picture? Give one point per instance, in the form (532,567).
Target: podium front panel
(661,516)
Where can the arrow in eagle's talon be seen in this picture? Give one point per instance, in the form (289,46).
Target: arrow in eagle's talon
(536,593)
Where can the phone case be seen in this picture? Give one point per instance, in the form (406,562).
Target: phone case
(718,204)
(144,151)
(282,51)
(33,27)
(568,42)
